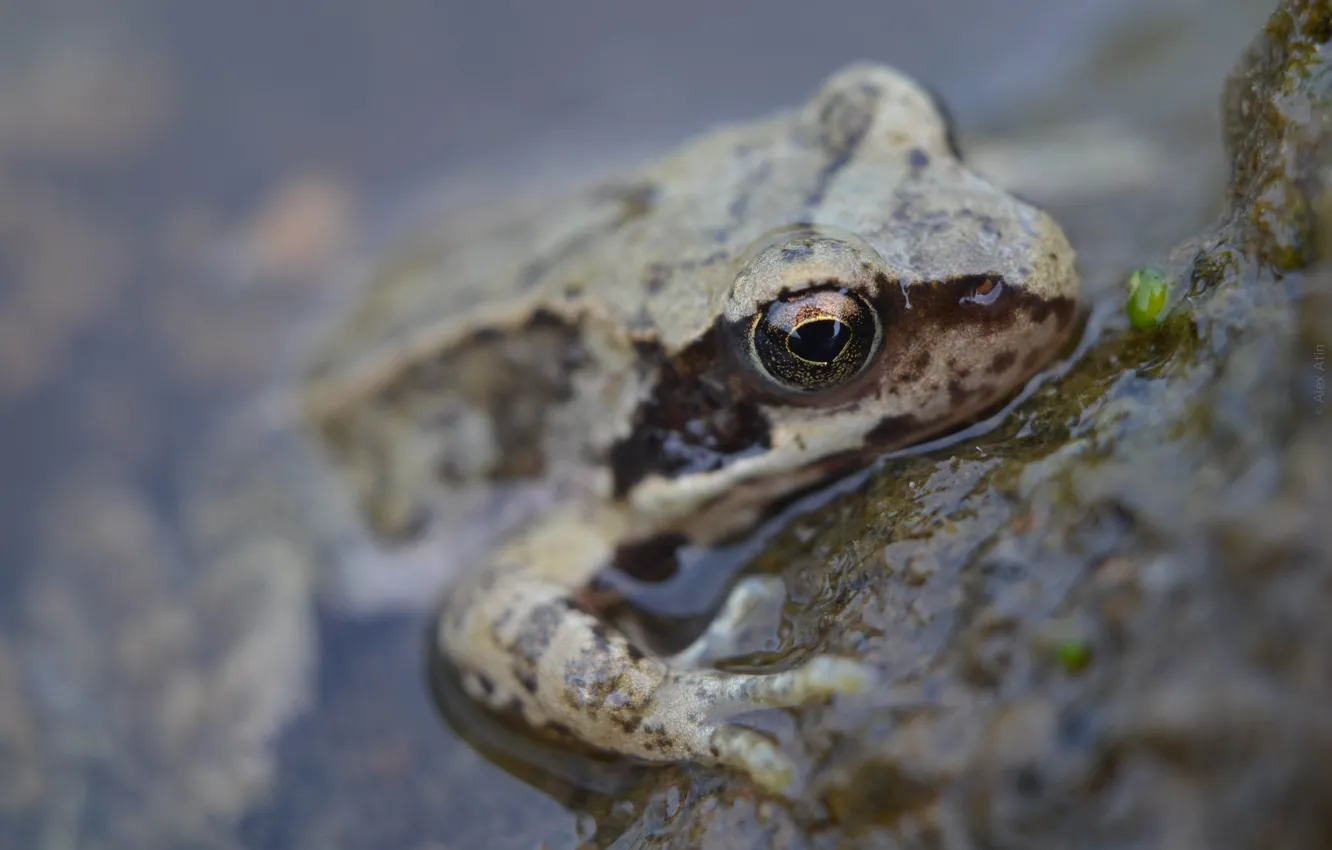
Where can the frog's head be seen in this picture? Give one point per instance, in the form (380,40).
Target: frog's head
(892,295)
(833,353)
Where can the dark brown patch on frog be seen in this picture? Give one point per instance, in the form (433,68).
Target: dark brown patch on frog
(660,739)
(597,683)
(1002,362)
(844,120)
(527,680)
(652,559)
(921,362)
(1065,310)
(696,420)
(485,683)
(939,306)
(629,723)
(944,305)
(559,729)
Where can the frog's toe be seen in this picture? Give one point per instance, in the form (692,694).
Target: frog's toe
(820,677)
(726,694)
(755,755)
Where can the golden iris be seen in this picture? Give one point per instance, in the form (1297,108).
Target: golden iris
(814,340)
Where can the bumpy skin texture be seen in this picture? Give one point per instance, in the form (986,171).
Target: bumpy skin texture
(595,349)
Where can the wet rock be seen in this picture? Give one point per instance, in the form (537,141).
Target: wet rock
(1137,651)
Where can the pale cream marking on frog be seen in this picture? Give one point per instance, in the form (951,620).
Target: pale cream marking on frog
(554,336)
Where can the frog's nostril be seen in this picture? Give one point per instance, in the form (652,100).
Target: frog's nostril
(985,292)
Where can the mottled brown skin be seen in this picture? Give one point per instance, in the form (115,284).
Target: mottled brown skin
(599,352)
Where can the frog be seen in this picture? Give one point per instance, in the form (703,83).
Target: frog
(662,359)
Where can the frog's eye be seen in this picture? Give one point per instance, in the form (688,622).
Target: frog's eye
(814,340)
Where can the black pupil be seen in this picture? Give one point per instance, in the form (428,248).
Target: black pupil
(819,341)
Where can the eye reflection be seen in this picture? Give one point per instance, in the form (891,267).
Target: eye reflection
(818,340)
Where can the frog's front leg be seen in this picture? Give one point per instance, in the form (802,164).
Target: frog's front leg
(521,642)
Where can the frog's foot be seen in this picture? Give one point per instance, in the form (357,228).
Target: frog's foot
(707,698)
(522,644)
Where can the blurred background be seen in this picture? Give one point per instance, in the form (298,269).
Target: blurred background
(180,179)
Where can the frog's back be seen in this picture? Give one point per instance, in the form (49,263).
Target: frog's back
(609,247)
(654,250)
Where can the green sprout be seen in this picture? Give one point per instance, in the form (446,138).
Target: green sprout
(1073,655)
(1147,298)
